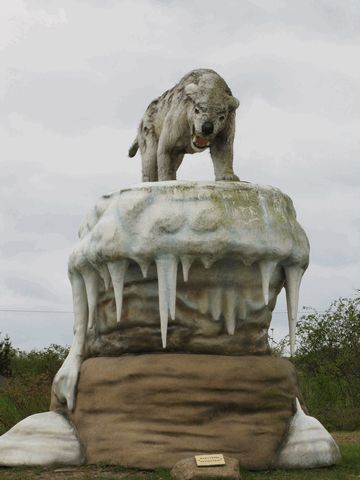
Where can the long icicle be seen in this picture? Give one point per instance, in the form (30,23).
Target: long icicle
(117,272)
(167,274)
(230,311)
(105,275)
(267,268)
(173,266)
(80,304)
(92,280)
(81,318)
(293,275)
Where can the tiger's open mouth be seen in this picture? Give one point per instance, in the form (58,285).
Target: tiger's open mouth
(199,141)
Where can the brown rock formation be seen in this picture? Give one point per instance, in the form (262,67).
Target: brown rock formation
(153,410)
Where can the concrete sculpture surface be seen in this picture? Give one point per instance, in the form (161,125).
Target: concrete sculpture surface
(174,284)
(308,445)
(41,439)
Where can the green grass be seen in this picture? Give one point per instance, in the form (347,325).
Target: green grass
(9,414)
(348,470)
(22,397)
(333,401)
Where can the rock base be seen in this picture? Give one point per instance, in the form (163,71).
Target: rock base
(188,470)
(153,410)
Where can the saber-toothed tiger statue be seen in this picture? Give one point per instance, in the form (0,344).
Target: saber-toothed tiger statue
(197,113)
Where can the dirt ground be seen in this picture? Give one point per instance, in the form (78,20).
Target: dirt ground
(346,437)
(105,472)
(76,473)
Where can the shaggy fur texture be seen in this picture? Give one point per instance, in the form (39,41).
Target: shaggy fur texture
(197,113)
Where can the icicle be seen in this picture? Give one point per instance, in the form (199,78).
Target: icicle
(299,410)
(207,261)
(186,264)
(79,301)
(203,301)
(105,275)
(267,269)
(172,266)
(144,266)
(215,303)
(117,272)
(293,274)
(91,279)
(167,272)
(66,390)
(230,311)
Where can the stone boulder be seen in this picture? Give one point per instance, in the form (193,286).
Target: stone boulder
(153,410)
(187,469)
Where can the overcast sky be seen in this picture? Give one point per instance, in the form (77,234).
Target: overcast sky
(75,78)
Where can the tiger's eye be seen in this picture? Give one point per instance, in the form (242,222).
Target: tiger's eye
(197,110)
(221,118)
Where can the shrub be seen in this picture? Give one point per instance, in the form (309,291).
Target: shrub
(5,356)
(327,360)
(28,390)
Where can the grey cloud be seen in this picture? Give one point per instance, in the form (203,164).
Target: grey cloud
(69,193)
(98,3)
(303,17)
(31,219)
(249,19)
(74,102)
(71,103)
(320,289)
(49,223)
(68,102)
(30,289)
(298,87)
(332,248)
(13,247)
(116,88)
(36,330)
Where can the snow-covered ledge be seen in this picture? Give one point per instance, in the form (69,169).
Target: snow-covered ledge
(238,245)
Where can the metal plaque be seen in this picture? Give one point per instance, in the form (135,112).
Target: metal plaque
(210,460)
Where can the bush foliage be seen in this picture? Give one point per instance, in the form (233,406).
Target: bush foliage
(28,389)
(328,363)
(5,356)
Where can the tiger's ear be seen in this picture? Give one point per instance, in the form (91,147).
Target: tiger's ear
(191,89)
(233,103)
